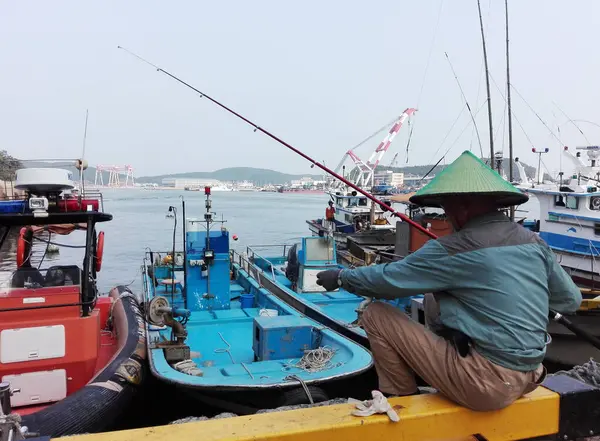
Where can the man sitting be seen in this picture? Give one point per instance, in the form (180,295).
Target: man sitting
(493,283)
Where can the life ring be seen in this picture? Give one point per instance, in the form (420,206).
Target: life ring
(99,250)
(23,246)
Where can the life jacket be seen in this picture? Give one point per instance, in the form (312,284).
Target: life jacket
(329,213)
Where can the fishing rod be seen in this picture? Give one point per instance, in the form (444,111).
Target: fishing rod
(559,318)
(289,146)
(554,315)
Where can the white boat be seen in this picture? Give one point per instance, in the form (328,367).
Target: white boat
(570,216)
(246,186)
(353,212)
(221,187)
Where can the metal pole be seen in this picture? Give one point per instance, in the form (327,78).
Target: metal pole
(184,256)
(510,139)
(87,263)
(487,82)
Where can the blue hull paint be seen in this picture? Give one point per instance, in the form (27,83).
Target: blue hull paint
(571,244)
(340,227)
(336,309)
(210,333)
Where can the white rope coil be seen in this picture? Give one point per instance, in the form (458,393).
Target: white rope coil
(188,367)
(314,360)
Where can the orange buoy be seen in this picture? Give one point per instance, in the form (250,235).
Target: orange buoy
(23,247)
(99,250)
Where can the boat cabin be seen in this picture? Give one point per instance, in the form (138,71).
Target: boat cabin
(50,314)
(569,218)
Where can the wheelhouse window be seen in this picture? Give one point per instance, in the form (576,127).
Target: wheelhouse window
(566,201)
(362,202)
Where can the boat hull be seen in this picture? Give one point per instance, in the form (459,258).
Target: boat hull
(233,378)
(99,405)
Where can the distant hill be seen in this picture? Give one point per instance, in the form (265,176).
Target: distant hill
(260,176)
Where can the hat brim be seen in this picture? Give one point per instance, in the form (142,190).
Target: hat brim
(501,198)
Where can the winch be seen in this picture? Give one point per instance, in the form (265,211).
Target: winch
(159,313)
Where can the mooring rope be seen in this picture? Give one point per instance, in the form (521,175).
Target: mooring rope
(303,384)
(314,360)
(588,373)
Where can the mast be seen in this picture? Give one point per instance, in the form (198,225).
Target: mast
(510,140)
(487,82)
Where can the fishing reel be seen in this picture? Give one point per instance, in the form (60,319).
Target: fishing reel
(160,313)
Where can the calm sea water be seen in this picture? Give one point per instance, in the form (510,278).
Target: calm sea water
(139,221)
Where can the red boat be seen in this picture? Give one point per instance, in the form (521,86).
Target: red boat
(70,359)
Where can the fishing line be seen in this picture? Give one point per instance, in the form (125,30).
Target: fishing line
(466,102)
(452,145)
(437,25)
(462,109)
(572,122)
(292,148)
(514,116)
(553,314)
(536,114)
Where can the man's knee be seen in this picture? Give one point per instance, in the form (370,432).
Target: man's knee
(371,316)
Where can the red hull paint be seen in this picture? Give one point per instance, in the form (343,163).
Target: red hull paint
(88,347)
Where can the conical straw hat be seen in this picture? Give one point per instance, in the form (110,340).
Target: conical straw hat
(468,175)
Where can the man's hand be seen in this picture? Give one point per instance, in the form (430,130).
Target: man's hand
(329,279)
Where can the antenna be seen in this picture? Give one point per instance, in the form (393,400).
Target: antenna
(487,82)
(508,102)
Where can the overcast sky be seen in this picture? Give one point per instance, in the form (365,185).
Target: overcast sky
(322,75)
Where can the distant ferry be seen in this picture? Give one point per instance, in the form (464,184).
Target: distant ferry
(213,188)
(300,190)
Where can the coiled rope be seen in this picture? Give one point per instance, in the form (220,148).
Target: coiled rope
(314,360)
(188,367)
(588,373)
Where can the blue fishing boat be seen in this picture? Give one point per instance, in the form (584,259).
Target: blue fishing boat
(290,274)
(221,336)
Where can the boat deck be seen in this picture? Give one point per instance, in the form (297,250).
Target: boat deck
(339,305)
(223,343)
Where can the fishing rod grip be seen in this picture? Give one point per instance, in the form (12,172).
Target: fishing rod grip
(559,318)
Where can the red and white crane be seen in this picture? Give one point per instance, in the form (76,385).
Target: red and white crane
(363,172)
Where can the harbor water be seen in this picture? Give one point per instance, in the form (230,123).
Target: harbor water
(140,221)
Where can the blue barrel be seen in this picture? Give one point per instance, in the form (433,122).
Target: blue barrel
(247,301)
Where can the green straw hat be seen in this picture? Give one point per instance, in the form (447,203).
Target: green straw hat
(468,175)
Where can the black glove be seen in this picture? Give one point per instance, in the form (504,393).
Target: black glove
(329,279)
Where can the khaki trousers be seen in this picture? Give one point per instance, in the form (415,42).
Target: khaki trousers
(402,347)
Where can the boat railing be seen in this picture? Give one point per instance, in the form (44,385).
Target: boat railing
(83,195)
(153,259)
(247,261)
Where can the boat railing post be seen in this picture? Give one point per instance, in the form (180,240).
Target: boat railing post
(88,261)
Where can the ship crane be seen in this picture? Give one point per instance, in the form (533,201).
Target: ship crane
(363,172)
